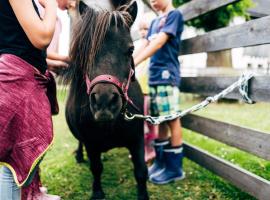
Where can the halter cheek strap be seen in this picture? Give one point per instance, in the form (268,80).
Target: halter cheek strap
(106,78)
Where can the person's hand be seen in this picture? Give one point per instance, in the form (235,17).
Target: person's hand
(44,3)
(56,66)
(66,4)
(64,58)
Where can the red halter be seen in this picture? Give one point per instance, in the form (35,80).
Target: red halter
(106,78)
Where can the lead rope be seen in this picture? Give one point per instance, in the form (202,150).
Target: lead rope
(242,83)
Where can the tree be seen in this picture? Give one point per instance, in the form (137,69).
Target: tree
(220,17)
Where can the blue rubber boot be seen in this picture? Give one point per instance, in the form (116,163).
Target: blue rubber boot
(158,164)
(173,158)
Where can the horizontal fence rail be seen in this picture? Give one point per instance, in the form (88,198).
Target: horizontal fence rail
(243,179)
(252,141)
(208,86)
(255,32)
(196,8)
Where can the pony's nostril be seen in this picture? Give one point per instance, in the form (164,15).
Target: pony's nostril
(114,99)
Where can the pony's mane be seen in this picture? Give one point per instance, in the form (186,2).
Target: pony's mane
(87,38)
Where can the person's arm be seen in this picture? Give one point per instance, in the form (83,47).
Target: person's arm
(56,56)
(39,32)
(56,65)
(57,62)
(143,43)
(152,47)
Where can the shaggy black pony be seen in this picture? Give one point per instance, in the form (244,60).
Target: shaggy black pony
(102,88)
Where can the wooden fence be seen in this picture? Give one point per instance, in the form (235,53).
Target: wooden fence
(255,32)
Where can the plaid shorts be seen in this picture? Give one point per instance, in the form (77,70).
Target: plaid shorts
(164,100)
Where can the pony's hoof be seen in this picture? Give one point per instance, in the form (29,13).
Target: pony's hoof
(98,196)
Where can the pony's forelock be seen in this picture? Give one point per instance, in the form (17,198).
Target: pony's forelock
(87,38)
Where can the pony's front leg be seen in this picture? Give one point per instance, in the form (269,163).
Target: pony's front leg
(96,169)
(140,170)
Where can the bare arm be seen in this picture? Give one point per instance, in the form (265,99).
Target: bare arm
(152,47)
(56,56)
(143,44)
(56,65)
(39,32)
(57,62)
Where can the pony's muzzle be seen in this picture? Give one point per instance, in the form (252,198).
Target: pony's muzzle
(103,116)
(105,102)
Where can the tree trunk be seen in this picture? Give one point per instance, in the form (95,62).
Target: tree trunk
(219,58)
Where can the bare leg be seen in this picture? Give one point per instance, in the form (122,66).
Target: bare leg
(176,132)
(163,131)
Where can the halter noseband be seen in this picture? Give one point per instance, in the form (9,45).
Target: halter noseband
(122,86)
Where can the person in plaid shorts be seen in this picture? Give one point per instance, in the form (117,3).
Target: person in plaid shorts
(162,44)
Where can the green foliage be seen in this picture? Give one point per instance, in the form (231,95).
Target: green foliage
(72,181)
(218,18)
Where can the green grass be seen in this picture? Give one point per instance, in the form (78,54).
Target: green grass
(72,181)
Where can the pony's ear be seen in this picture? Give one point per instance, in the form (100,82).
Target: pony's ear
(126,5)
(132,9)
(82,7)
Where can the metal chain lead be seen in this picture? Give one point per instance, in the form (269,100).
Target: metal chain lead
(243,89)
(242,83)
